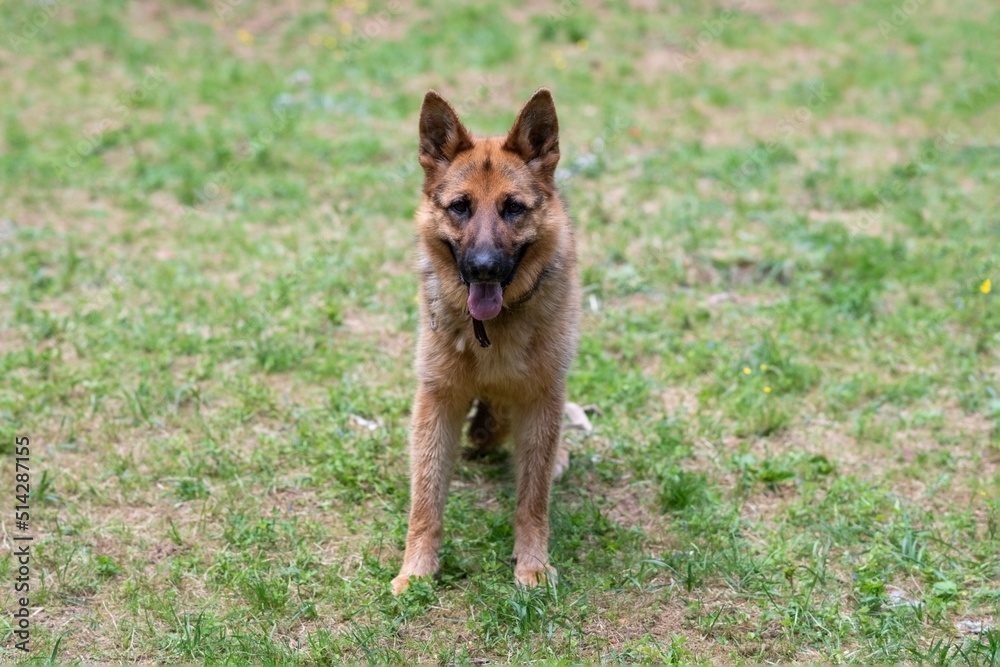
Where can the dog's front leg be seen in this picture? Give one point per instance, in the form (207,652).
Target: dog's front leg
(536,441)
(437,424)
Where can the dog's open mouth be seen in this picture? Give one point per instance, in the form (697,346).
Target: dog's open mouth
(485,300)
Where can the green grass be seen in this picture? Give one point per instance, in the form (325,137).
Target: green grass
(786,216)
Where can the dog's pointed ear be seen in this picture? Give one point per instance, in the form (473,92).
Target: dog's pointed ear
(535,134)
(442,135)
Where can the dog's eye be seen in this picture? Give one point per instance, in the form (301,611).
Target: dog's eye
(461,207)
(513,208)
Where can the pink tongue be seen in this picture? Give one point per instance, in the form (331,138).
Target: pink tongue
(485,300)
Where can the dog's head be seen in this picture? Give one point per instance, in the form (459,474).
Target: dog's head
(488,198)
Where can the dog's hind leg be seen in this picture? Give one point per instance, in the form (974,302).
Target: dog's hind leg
(487,429)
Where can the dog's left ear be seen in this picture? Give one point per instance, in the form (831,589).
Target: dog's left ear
(535,134)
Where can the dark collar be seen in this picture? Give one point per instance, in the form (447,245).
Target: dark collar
(524,298)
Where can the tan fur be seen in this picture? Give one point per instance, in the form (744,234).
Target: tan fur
(520,379)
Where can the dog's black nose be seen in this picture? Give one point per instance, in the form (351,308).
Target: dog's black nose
(483,265)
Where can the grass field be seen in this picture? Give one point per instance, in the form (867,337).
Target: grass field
(789,221)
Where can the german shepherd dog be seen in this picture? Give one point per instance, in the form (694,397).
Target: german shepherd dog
(499,321)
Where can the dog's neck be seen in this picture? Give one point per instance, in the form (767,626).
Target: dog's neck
(479,327)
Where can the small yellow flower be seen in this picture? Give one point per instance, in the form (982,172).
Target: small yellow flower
(346,28)
(583,45)
(763,367)
(558,60)
(986,286)
(330,43)
(244,36)
(746,370)
(767,390)
(360,7)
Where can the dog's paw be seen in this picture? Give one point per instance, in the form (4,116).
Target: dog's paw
(415,564)
(401,583)
(530,577)
(561,464)
(408,575)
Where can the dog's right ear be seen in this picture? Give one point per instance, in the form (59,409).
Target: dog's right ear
(442,135)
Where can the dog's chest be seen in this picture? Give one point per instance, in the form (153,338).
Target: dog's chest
(509,358)
(508,362)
